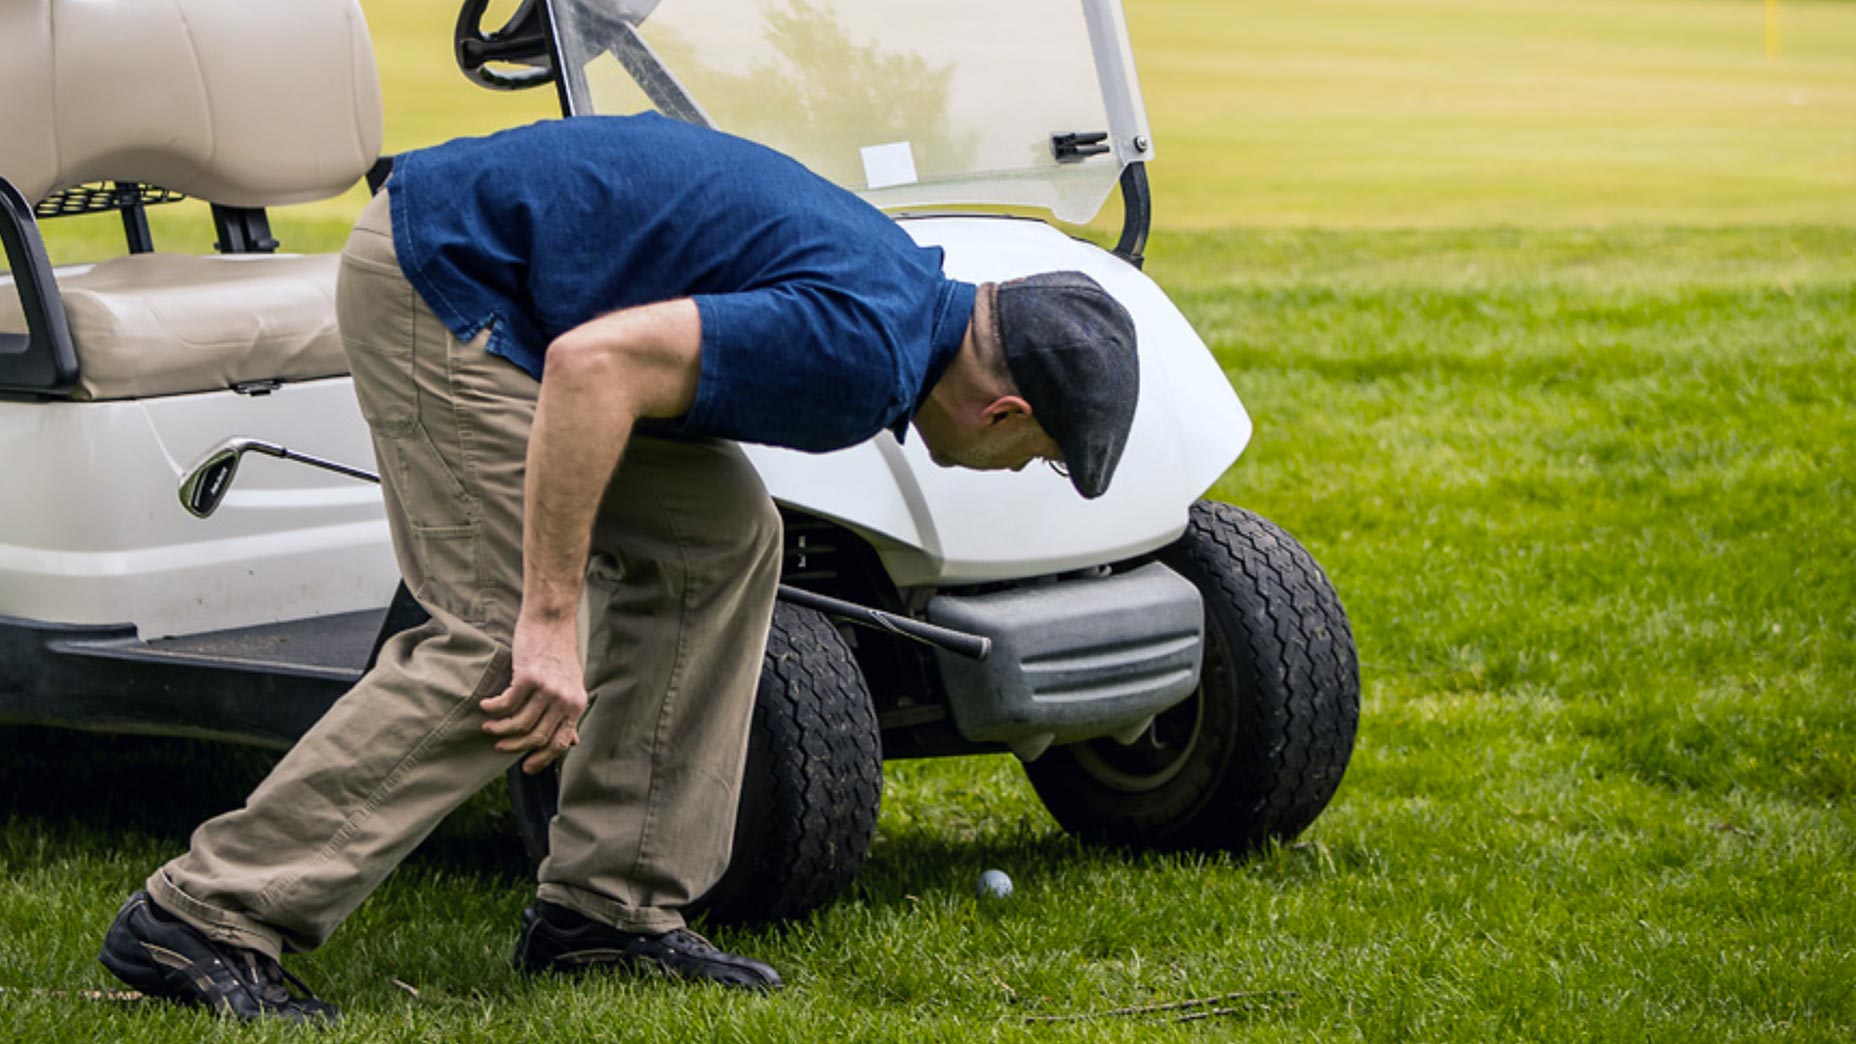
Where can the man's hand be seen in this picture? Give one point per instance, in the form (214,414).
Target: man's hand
(541,709)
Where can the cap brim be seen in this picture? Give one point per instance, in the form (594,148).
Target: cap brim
(1089,477)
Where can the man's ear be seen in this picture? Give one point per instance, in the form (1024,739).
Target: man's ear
(1004,408)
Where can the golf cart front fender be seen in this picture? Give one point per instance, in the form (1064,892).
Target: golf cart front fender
(1073,660)
(937,527)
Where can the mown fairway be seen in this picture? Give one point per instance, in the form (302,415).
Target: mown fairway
(1575,444)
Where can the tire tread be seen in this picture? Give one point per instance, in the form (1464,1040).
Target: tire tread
(816,731)
(1292,659)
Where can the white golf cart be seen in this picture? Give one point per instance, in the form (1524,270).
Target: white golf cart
(1173,672)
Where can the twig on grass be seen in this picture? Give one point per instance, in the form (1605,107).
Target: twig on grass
(1183,1005)
(1011,995)
(95,995)
(1209,1013)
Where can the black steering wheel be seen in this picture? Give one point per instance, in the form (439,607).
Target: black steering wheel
(522,41)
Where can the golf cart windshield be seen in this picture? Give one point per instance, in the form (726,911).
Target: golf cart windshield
(1031,103)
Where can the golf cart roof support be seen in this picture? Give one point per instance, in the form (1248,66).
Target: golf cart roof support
(42,361)
(1127,122)
(618,35)
(1121,89)
(654,77)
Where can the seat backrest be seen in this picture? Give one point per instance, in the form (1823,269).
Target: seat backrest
(246,103)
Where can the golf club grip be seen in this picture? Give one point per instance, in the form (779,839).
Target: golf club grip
(972,646)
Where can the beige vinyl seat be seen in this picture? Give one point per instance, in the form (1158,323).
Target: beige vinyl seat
(239,103)
(168,324)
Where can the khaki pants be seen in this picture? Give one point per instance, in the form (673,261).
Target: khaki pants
(686,556)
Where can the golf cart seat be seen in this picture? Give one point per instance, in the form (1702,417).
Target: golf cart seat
(244,105)
(168,324)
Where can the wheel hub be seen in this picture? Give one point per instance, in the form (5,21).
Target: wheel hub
(1154,758)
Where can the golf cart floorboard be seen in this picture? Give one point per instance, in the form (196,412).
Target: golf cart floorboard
(264,685)
(338,645)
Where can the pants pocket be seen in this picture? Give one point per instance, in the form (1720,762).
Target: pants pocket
(445,569)
(431,493)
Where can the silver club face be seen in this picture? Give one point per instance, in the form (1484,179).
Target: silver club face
(206,485)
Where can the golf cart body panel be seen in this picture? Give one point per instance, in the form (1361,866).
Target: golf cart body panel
(95,534)
(941,526)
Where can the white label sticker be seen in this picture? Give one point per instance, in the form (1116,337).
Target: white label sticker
(887,165)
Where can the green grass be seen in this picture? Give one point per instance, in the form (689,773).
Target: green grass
(1586,496)
(1546,313)
(1398,113)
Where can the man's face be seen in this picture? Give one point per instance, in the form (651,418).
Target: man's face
(1006,446)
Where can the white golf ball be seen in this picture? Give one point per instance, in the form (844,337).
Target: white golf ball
(995,885)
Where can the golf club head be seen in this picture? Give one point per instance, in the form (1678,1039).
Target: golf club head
(208,482)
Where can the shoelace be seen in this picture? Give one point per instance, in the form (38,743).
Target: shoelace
(273,980)
(689,942)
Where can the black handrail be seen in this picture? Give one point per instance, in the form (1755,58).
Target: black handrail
(40,361)
(1137,214)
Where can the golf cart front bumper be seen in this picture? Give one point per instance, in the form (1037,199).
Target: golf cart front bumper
(1073,659)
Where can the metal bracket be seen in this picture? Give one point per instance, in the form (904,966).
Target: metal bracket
(1077,146)
(378,174)
(243,230)
(129,198)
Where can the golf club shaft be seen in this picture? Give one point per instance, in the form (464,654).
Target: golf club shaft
(960,643)
(327,465)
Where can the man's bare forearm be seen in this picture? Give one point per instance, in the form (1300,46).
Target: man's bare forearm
(577,441)
(600,378)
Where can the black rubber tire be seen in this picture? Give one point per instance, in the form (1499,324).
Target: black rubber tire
(811,789)
(1258,749)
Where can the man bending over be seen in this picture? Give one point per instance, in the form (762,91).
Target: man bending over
(557,335)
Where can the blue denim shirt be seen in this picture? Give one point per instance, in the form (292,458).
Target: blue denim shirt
(822,322)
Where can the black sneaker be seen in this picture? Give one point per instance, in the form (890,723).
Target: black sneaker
(163,956)
(557,939)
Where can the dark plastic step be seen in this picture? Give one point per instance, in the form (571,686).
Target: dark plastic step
(335,646)
(265,685)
